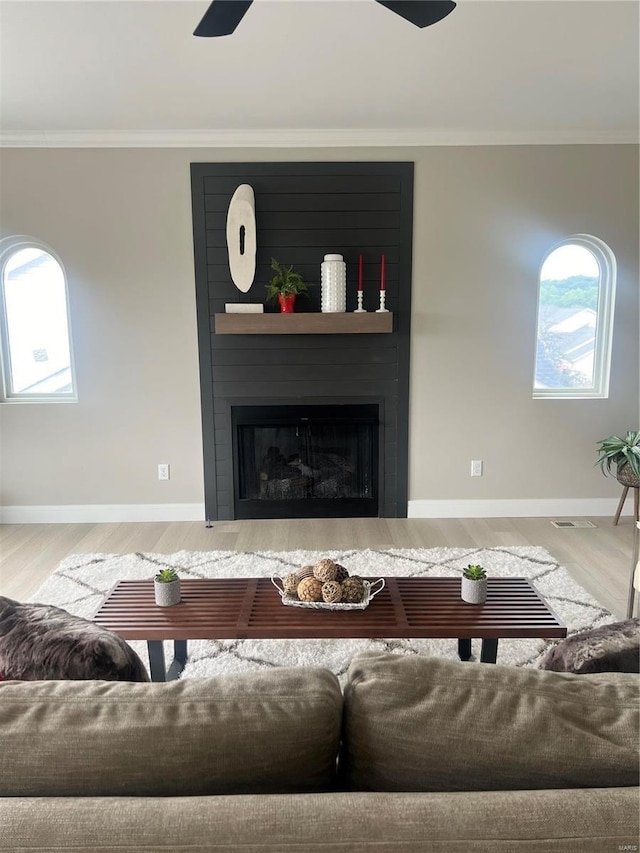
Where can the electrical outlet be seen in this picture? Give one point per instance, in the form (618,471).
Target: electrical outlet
(163,471)
(476,467)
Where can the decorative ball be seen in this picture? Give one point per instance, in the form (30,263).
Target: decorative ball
(353,589)
(290,584)
(341,573)
(305,572)
(310,589)
(325,570)
(331,592)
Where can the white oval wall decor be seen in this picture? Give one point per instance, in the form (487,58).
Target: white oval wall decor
(241,237)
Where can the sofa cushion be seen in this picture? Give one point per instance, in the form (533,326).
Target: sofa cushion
(421,724)
(596,820)
(259,733)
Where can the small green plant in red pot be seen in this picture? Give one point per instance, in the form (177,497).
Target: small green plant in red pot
(285,286)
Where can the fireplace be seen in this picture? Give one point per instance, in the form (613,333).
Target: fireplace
(305,461)
(358,209)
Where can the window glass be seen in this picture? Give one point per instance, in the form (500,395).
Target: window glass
(575,314)
(37,359)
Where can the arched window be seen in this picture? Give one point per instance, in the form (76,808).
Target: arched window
(576,298)
(37,358)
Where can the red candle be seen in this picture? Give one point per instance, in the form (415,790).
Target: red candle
(382,287)
(360,273)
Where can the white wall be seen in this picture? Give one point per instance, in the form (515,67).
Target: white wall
(484,217)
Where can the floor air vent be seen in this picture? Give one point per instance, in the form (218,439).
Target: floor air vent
(563,524)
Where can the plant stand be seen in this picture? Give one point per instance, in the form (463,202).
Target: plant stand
(636,503)
(627,480)
(634,580)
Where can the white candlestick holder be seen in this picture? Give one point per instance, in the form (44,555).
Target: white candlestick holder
(382,309)
(360,309)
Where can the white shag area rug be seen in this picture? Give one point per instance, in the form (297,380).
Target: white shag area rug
(80,582)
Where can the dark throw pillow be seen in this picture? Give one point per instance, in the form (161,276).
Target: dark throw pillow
(611,648)
(39,642)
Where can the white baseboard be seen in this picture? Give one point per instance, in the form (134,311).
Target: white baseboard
(534,508)
(99,513)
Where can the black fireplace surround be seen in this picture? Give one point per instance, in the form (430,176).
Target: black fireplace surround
(349,459)
(313,461)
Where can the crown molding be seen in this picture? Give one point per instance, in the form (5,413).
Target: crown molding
(326,138)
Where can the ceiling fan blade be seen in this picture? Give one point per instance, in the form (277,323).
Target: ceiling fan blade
(222,17)
(422,13)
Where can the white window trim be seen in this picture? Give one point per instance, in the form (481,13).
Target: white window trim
(8,247)
(604,329)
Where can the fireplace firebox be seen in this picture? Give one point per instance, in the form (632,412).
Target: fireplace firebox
(305,461)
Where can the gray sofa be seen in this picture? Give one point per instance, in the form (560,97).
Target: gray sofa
(418,754)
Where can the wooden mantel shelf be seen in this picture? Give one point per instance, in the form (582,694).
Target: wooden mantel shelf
(304,324)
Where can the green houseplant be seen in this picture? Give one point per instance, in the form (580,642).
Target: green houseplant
(474,573)
(624,453)
(473,589)
(285,286)
(167,587)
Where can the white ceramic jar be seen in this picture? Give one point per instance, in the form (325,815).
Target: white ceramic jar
(334,284)
(473,592)
(167,594)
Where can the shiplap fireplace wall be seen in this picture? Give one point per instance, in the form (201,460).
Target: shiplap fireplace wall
(303,211)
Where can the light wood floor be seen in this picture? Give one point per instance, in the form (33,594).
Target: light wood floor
(598,558)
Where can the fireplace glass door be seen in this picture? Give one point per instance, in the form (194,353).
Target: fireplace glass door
(305,461)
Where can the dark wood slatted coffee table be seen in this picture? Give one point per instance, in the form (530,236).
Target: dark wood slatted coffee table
(250,608)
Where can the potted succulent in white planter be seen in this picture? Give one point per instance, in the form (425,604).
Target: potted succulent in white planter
(474,585)
(167,587)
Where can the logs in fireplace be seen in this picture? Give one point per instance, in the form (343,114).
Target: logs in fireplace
(308,461)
